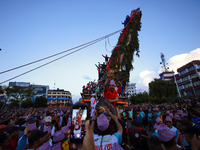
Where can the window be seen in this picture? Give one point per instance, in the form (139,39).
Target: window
(187,85)
(162,77)
(193,75)
(178,81)
(196,83)
(58,93)
(48,96)
(184,79)
(49,92)
(63,93)
(189,93)
(198,92)
(54,92)
(183,72)
(53,96)
(198,66)
(191,68)
(181,87)
(58,96)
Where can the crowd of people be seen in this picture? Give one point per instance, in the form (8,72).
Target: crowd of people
(93,88)
(144,126)
(34,128)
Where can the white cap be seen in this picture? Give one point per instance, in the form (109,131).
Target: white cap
(48,119)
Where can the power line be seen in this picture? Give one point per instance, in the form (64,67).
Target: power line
(58,53)
(95,41)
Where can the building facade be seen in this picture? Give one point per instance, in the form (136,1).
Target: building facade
(20,84)
(130,89)
(188,78)
(40,90)
(59,98)
(166,76)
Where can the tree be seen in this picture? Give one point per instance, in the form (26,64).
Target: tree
(1,90)
(40,102)
(139,98)
(13,103)
(2,97)
(159,88)
(18,93)
(27,103)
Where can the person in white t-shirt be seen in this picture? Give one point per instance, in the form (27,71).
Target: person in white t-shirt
(103,140)
(47,126)
(93,104)
(169,123)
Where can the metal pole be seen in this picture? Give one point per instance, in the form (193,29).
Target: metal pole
(192,86)
(176,84)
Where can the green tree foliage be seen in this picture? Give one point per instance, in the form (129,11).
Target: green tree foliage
(1,90)
(40,102)
(139,98)
(162,89)
(2,100)
(18,93)
(130,49)
(27,103)
(145,98)
(13,104)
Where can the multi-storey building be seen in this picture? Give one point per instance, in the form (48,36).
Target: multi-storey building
(188,78)
(59,97)
(166,76)
(130,89)
(40,90)
(20,84)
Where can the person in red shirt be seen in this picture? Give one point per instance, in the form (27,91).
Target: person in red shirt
(110,93)
(119,89)
(88,88)
(14,133)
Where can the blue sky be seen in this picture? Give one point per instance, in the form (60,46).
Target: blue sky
(31,30)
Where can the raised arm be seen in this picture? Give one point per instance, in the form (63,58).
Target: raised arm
(96,66)
(119,127)
(106,84)
(94,118)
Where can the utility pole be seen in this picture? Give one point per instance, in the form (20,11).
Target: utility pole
(192,85)
(176,84)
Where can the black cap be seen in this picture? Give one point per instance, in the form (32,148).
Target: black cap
(12,129)
(36,135)
(134,133)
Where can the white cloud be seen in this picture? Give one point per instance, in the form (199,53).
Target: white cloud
(146,76)
(174,63)
(177,61)
(75,98)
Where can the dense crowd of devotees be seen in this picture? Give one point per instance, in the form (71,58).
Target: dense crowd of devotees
(167,126)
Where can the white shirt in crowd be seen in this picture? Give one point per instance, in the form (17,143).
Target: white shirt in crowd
(52,130)
(93,104)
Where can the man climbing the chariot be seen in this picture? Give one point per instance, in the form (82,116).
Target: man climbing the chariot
(110,93)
